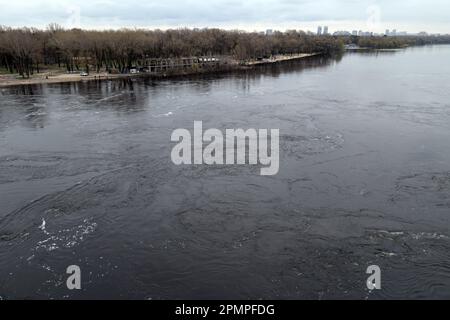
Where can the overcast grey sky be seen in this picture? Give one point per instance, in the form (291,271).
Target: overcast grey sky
(375,15)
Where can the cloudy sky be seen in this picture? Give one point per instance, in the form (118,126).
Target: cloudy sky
(368,15)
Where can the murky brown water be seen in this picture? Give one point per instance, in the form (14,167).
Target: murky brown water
(364,179)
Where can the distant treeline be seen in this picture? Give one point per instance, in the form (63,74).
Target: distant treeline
(396,42)
(26,50)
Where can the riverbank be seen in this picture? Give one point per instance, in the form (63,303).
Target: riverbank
(374,49)
(8,80)
(13,80)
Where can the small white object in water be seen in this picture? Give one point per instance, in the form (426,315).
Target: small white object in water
(42,226)
(165,114)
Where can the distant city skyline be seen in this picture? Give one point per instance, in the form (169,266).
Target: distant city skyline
(324,30)
(412,16)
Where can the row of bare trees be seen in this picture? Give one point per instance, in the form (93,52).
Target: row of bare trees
(26,50)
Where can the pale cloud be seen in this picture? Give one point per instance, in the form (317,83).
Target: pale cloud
(411,15)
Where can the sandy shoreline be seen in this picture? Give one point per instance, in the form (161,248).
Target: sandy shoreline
(62,78)
(45,78)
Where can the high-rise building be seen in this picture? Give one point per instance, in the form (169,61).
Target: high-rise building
(354,32)
(319,31)
(269,32)
(387,32)
(325,30)
(394,32)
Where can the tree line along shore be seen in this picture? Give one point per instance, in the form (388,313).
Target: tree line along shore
(56,54)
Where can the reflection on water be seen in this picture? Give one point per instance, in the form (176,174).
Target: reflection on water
(364,179)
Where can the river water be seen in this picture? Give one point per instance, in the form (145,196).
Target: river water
(86,179)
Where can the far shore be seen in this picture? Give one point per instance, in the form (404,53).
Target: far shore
(376,49)
(7,80)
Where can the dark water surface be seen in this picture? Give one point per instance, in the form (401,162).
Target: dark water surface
(364,179)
